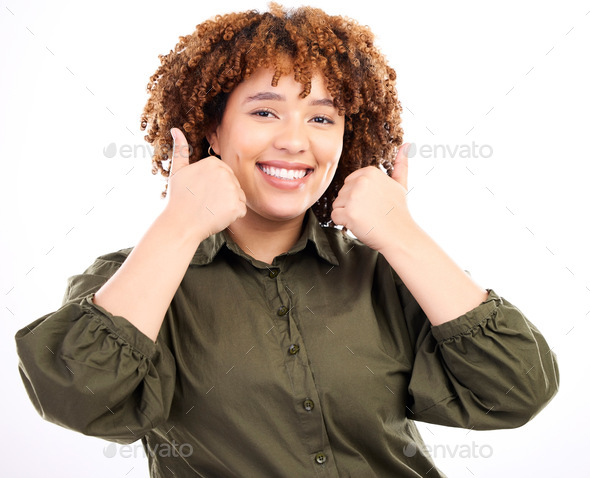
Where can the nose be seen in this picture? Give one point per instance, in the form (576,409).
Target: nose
(292,137)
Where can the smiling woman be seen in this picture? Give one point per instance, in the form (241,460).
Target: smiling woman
(333,58)
(283,149)
(245,330)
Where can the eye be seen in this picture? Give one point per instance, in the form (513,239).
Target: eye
(322,120)
(264,113)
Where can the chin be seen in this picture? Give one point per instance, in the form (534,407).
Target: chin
(280,212)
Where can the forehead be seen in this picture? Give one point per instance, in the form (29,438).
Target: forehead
(261,81)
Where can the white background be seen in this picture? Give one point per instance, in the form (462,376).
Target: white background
(507,80)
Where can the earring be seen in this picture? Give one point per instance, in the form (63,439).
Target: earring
(210,151)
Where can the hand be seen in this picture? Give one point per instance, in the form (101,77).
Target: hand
(373,205)
(204,196)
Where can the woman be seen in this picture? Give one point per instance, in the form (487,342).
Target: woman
(245,335)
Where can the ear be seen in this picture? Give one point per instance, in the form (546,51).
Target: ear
(213,139)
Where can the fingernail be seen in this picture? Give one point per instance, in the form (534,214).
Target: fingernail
(173,135)
(409,150)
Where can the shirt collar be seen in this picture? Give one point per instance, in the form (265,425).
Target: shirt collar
(312,232)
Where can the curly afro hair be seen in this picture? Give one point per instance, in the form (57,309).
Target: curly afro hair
(189,90)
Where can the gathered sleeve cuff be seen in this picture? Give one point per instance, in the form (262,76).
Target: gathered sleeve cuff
(88,370)
(489,368)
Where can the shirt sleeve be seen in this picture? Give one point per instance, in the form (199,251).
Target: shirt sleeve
(488,369)
(89,371)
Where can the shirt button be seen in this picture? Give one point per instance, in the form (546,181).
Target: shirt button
(320,458)
(308,404)
(293,349)
(273,273)
(282,310)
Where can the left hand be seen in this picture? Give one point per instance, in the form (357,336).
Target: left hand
(373,205)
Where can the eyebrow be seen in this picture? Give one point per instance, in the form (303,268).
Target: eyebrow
(270,96)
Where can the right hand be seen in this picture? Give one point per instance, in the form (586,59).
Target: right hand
(206,195)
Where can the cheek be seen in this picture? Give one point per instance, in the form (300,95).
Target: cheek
(332,161)
(330,152)
(329,170)
(242,141)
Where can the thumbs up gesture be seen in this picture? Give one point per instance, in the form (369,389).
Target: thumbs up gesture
(205,196)
(373,205)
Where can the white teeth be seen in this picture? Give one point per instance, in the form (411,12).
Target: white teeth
(283,173)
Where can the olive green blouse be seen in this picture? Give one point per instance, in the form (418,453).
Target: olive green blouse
(314,365)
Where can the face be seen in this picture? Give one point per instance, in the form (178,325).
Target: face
(283,149)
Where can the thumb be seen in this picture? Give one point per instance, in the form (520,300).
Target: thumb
(180,153)
(400,166)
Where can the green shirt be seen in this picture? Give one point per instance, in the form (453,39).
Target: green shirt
(315,365)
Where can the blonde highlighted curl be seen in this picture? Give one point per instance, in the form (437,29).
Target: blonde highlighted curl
(189,90)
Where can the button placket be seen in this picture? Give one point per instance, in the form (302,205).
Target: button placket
(284,299)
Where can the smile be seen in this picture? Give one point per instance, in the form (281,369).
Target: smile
(282,173)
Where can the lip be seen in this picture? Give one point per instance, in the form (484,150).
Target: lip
(285,165)
(285,184)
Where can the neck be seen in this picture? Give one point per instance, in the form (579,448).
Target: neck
(264,239)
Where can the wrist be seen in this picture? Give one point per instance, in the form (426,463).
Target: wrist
(179,226)
(402,238)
